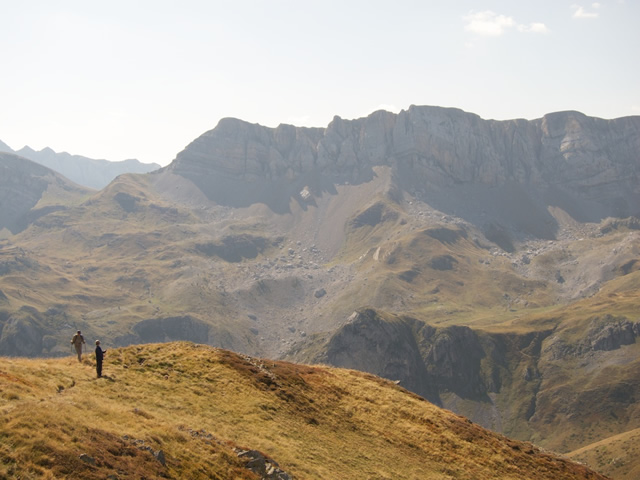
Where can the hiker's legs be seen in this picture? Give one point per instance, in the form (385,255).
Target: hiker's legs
(79,352)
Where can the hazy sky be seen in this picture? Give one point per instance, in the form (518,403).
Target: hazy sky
(142,79)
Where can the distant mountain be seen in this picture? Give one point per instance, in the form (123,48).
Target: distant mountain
(29,191)
(490,266)
(82,170)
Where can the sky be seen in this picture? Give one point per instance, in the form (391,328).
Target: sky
(143,78)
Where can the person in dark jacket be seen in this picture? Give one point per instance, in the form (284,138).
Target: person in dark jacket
(99,356)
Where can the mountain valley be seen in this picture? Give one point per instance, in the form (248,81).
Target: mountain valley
(491,267)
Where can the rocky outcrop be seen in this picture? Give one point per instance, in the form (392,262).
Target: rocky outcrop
(605,333)
(452,358)
(380,346)
(266,468)
(631,223)
(427,360)
(612,334)
(587,166)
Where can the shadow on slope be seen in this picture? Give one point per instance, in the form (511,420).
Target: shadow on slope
(230,191)
(505,212)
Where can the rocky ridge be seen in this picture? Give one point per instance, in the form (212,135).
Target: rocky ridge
(587,166)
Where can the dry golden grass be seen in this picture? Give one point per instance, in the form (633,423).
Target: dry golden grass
(616,456)
(196,403)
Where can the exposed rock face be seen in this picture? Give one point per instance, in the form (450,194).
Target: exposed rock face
(587,166)
(605,334)
(265,467)
(429,360)
(388,349)
(612,335)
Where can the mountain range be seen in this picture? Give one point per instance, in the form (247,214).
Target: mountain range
(489,266)
(84,171)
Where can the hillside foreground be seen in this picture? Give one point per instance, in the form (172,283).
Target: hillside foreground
(183,410)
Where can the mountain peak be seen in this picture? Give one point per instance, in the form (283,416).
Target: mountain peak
(26,151)
(5,148)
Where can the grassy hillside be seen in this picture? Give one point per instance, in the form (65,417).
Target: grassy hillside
(180,410)
(615,456)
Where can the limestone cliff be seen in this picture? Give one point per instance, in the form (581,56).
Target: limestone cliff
(587,166)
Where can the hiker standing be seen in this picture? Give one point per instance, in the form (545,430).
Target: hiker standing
(99,356)
(77,341)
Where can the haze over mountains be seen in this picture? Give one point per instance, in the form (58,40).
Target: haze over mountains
(82,170)
(490,266)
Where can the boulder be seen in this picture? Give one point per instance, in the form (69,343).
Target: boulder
(265,467)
